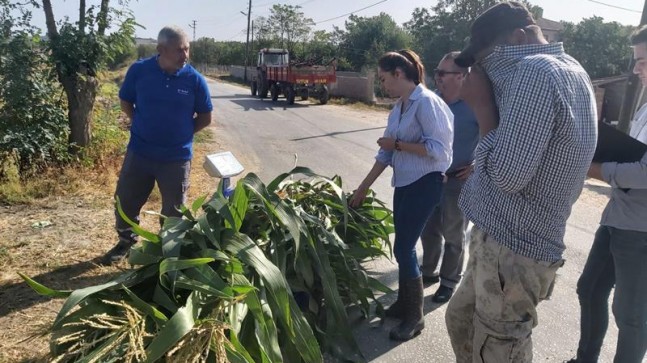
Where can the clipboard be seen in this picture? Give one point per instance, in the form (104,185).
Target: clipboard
(616,146)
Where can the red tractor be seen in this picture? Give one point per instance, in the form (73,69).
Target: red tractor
(276,75)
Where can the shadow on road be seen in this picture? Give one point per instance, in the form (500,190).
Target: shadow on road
(18,296)
(600,189)
(264,105)
(372,335)
(226,97)
(338,133)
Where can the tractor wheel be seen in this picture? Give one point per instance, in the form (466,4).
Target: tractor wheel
(304,95)
(274,92)
(290,96)
(262,91)
(324,95)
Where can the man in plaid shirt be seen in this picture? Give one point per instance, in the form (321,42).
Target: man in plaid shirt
(536,111)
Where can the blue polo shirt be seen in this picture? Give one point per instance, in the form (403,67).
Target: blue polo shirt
(466,135)
(163,126)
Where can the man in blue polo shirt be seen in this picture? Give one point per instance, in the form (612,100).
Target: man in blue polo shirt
(167,101)
(444,261)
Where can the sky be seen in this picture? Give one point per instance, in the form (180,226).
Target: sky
(222,19)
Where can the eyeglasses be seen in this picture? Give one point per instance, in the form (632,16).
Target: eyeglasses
(442,73)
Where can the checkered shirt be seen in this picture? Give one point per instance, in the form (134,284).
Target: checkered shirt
(531,169)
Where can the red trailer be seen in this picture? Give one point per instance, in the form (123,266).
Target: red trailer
(275,74)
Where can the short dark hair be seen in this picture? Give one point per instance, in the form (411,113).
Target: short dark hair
(639,35)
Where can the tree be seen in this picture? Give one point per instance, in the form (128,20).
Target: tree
(205,51)
(263,36)
(290,25)
(602,48)
(285,27)
(446,26)
(33,129)
(321,47)
(79,51)
(365,39)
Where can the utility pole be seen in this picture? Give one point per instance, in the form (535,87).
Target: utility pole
(193,27)
(249,17)
(633,88)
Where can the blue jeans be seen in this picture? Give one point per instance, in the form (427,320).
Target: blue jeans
(618,257)
(136,181)
(412,206)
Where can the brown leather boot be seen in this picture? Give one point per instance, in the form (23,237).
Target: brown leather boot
(413,320)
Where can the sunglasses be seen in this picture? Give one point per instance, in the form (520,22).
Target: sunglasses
(442,73)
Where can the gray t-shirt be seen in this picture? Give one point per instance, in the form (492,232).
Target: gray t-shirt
(628,209)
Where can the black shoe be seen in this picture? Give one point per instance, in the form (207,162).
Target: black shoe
(430,280)
(117,253)
(443,294)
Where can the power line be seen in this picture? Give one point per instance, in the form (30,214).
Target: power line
(615,6)
(242,32)
(352,12)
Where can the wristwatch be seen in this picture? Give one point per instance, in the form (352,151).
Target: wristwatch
(397,145)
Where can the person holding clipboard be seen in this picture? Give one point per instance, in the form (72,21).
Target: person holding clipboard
(618,256)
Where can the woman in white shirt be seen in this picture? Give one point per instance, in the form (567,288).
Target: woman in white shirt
(417,143)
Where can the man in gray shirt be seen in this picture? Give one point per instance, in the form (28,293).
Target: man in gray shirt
(619,252)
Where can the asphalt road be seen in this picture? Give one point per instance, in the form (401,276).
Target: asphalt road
(269,138)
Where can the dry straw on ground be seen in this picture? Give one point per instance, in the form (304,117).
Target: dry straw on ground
(55,239)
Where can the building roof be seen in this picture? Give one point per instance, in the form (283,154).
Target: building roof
(547,24)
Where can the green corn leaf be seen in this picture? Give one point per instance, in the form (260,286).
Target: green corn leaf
(275,207)
(177,327)
(186,212)
(161,298)
(238,205)
(274,184)
(279,293)
(44,290)
(128,279)
(136,228)
(175,264)
(193,285)
(195,206)
(221,205)
(236,352)
(266,331)
(138,257)
(205,228)
(338,328)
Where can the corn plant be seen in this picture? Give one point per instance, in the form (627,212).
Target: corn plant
(264,276)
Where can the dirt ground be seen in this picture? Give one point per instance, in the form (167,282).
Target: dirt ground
(54,241)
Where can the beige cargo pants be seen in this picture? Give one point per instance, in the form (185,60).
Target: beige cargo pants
(491,316)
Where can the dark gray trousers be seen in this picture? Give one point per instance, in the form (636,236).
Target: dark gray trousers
(136,181)
(447,224)
(617,258)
